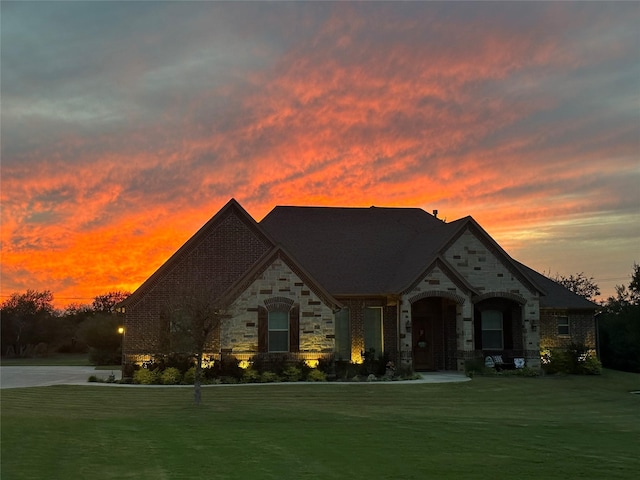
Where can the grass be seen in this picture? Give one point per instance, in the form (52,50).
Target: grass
(491,427)
(55,359)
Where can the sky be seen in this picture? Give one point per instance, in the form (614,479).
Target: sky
(126,125)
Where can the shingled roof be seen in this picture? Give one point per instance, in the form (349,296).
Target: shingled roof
(359,251)
(555,295)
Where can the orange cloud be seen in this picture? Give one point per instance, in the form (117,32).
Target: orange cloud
(487,113)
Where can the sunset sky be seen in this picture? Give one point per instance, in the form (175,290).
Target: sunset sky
(127,125)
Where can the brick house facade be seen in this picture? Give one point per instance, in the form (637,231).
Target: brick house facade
(313,282)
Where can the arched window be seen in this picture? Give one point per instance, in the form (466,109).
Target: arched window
(278,326)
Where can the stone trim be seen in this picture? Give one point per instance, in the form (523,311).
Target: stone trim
(438,293)
(278,304)
(508,295)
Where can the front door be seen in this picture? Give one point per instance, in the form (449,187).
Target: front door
(423,345)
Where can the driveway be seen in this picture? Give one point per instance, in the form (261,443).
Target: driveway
(18,377)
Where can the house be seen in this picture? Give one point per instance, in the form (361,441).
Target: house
(315,282)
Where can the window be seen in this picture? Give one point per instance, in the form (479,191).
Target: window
(563,325)
(278,331)
(492,330)
(343,335)
(373,329)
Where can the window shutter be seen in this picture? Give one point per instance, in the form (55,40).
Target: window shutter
(294,329)
(263,330)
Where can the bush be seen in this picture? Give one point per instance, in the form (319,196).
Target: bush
(372,364)
(269,377)
(575,359)
(268,362)
(316,375)
(182,362)
(476,366)
(144,376)
(190,376)
(345,370)
(171,376)
(250,376)
(291,374)
(591,366)
(327,365)
(227,366)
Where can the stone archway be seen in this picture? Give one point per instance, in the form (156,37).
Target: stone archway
(433,333)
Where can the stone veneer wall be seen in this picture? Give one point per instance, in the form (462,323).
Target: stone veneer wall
(481,266)
(239,335)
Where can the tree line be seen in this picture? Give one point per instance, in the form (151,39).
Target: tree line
(32,327)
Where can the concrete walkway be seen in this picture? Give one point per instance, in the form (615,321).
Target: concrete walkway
(20,377)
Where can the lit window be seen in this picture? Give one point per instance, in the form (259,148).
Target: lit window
(278,331)
(373,329)
(492,330)
(343,335)
(563,325)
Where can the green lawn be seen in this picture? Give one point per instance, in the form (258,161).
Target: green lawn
(489,428)
(57,359)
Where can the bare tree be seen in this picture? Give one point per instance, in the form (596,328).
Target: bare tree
(193,315)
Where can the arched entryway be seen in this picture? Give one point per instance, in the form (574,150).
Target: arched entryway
(498,326)
(433,333)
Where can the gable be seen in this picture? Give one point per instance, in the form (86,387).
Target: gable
(283,275)
(219,254)
(484,264)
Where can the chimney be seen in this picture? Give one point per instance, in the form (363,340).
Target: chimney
(435,213)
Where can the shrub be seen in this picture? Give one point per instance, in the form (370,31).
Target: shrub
(316,375)
(476,366)
(520,372)
(327,365)
(291,374)
(227,366)
(190,376)
(93,378)
(171,376)
(129,369)
(144,376)
(575,359)
(372,364)
(345,370)
(591,366)
(250,376)
(269,377)
(269,362)
(182,362)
